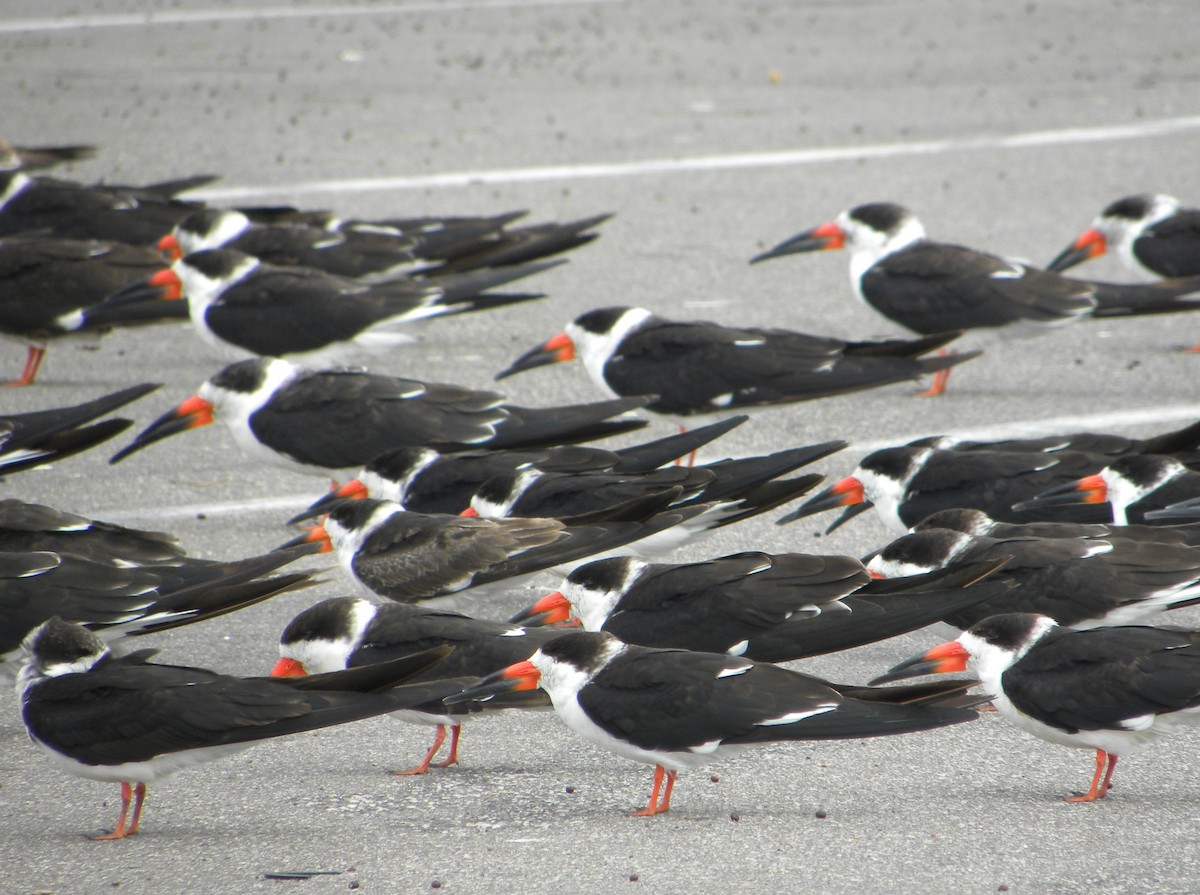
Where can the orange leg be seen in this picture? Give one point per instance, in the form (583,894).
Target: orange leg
(455,733)
(691,458)
(33,360)
(1195,349)
(940,378)
(423,767)
(140,795)
(655,806)
(121,830)
(1098,790)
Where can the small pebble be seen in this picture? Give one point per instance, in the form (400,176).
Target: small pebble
(353,884)
(735,817)
(715,779)
(570,789)
(435,885)
(822,813)
(633,877)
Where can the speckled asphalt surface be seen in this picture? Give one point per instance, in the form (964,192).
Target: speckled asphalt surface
(713,130)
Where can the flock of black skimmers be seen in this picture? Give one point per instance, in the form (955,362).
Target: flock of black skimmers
(1052,555)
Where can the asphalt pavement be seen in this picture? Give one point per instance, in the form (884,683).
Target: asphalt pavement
(713,130)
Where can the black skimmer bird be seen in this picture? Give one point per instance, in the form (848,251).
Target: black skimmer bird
(1079,582)
(44,436)
(49,284)
(332,422)
(517,245)
(346,632)
(738,488)
(245,307)
(710,367)
(1151,234)
(1183,443)
(1115,690)
(930,287)
(130,721)
(677,709)
(36,158)
(770,608)
(906,484)
(125,600)
(379,250)
(136,215)
(34,527)
(1130,487)
(418,557)
(588,498)
(427,481)
(977,522)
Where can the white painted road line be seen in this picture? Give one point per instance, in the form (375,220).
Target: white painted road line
(736,161)
(264,13)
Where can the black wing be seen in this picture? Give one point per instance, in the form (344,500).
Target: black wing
(932,287)
(1096,679)
(1171,248)
(672,700)
(383,412)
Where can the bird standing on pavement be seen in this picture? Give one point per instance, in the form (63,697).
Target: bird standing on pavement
(374,251)
(1152,234)
(332,422)
(1131,487)
(1079,582)
(1115,690)
(905,484)
(346,632)
(244,307)
(766,607)
(130,721)
(711,367)
(50,286)
(676,709)
(929,287)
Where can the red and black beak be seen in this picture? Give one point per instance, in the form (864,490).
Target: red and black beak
(847,493)
(315,535)
(191,414)
(1090,244)
(1089,489)
(519,676)
(826,237)
(352,490)
(554,351)
(170,247)
(162,286)
(154,300)
(945,658)
(552,609)
(288,668)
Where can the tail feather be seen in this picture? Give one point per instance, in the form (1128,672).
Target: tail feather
(1138,299)
(546,426)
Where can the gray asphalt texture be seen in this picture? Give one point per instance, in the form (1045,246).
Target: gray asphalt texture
(427,90)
